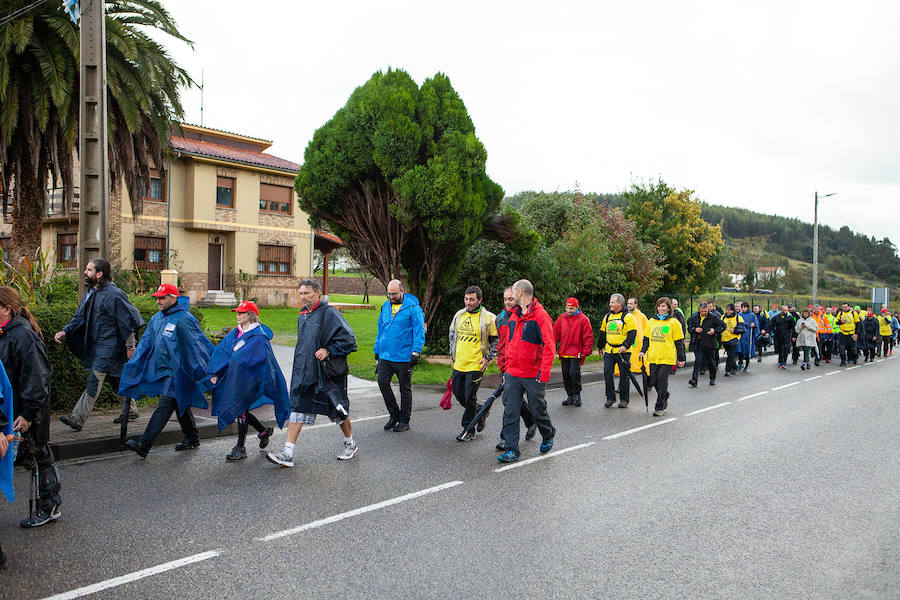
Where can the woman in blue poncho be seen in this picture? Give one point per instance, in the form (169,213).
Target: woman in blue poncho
(245,375)
(747,346)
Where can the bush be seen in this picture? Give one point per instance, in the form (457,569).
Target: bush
(69,375)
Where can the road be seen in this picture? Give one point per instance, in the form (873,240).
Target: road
(773,484)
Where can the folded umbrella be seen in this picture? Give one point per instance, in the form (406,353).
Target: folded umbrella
(627,369)
(482,412)
(646,380)
(331,393)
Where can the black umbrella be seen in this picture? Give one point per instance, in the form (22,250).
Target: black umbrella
(331,393)
(626,368)
(484,408)
(646,379)
(123,426)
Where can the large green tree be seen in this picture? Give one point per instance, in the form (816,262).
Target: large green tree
(671,219)
(399,175)
(39,82)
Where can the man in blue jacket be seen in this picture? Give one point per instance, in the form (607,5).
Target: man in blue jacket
(400,337)
(103,334)
(169,362)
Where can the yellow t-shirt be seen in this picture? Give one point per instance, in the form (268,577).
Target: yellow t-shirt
(847,322)
(617,326)
(663,335)
(884,325)
(468,354)
(395,308)
(730,323)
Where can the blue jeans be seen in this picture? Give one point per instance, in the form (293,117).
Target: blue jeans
(162,414)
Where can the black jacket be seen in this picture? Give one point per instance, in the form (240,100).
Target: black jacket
(25,360)
(870,329)
(781,326)
(98,330)
(701,341)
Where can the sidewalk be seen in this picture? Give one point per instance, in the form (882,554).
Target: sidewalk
(100,435)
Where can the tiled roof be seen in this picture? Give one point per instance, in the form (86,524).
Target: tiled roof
(327,235)
(231,153)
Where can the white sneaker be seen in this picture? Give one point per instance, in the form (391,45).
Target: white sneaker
(282,458)
(349,451)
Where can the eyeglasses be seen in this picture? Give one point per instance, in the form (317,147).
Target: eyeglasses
(393,294)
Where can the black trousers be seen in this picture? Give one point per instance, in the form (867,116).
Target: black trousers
(826,343)
(534,391)
(610,360)
(783,347)
(168,405)
(571,372)
(705,359)
(847,346)
(38,455)
(465,386)
(885,345)
(659,378)
(527,419)
(244,422)
(730,349)
(385,372)
(871,346)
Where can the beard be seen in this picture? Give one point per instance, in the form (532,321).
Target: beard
(91,281)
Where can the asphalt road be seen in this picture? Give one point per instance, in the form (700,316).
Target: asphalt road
(780,492)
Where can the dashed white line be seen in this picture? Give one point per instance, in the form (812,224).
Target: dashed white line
(117,581)
(757,394)
(813,378)
(542,457)
(880,360)
(787,385)
(833,373)
(636,429)
(697,412)
(866,364)
(358,511)
(856,367)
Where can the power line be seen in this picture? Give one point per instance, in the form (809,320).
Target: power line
(15,15)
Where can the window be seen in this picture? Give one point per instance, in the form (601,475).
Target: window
(275,199)
(156,188)
(225,192)
(148,253)
(274,260)
(66,254)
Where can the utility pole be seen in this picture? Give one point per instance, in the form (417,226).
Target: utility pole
(815,282)
(93,221)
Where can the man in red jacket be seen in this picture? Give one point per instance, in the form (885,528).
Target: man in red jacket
(529,356)
(575,337)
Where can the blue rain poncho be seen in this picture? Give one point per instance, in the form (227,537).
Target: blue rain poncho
(747,345)
(170,360)
(6,421)
(248,376)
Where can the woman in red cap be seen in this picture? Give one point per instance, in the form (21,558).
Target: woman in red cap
(245,375)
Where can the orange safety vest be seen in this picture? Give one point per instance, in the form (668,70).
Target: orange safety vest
(823,321)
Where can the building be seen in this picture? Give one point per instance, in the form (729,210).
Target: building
(224,207)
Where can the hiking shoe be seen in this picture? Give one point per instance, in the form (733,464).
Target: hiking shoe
(501,445)
(137,447)
(466,436)
(391,423)
(509,456)
(568,401)
(479,426)
(282,458)
(623,404)
(659,413)
(401,426)
(609,402)
(41,518)
(237,453)
(131,417)
(576,400)
(692,382)
(70,422)
(349,451)
(264,437)
(187,444)
(531,431)
(546,445)
(712,382)
(803,367)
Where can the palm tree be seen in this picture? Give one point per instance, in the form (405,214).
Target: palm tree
(39,82)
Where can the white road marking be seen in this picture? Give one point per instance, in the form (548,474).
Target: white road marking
(697,412)
(630,431)
(813,378)
(358,511)
(787,385)
(757,394)
(866,364)
(542,457)
(117,581)
(880,360)
(890,358)
(832,373)
(352,420)
(856,367)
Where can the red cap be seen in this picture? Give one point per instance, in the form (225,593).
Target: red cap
(884,310)
(166,289)
(247,306)
(572,302)
(809,306)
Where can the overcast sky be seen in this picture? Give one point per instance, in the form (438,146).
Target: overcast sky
(753,104)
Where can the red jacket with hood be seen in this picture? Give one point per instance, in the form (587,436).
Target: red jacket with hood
(574,335)
(532,345)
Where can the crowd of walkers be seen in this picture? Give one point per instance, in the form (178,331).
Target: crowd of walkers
(175,362)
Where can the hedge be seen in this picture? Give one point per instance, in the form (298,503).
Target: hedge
(69,375)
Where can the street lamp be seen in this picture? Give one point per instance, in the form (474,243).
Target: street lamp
(815,287)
